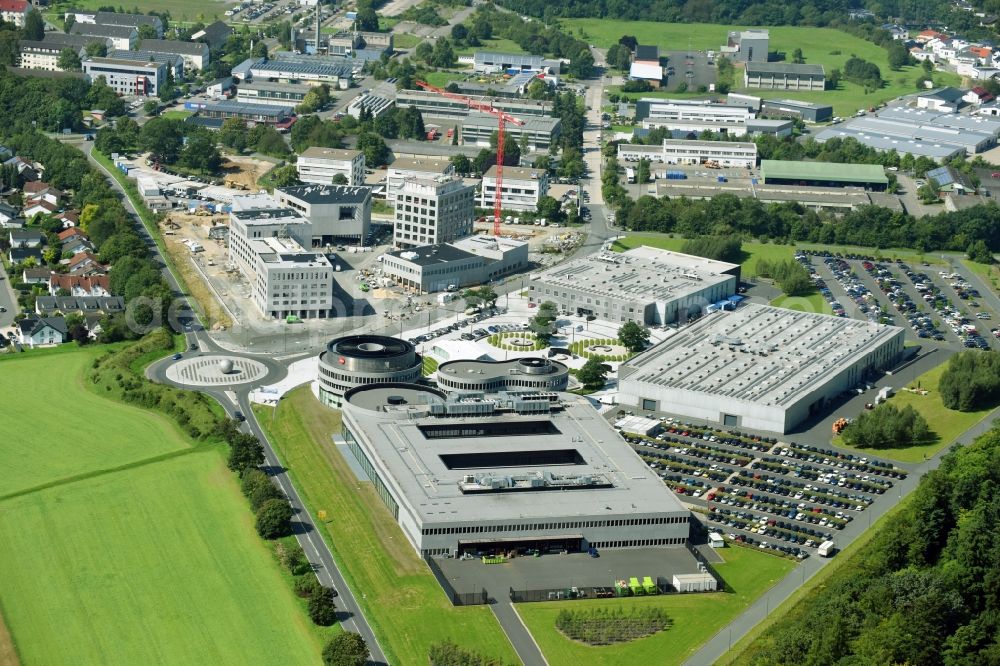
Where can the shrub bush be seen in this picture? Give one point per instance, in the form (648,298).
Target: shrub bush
(611,625)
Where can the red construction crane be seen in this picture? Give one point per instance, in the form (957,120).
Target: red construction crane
(502,119)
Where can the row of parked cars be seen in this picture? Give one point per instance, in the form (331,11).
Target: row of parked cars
(783,508)
(461,323)
(835,497)
(788,532)
(932,294)
(815,454)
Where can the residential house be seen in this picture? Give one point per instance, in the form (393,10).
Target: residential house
(7,213)
(977,96)
(26,238)
(39,206)
(38,331)
(69,219)
(80,285)
(948,180)
(26,171)
(42,190)
(920,54)
(897,32)
(14,11)
(85,263)
(36,275)
(18,255)
(75,241)
(85,305)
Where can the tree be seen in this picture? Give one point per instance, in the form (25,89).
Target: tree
(322,609)
(96,49)
(151,107)
(68,23)
(367,20)
(162,138)
(459,32)
(264,493)
(549,208)
(461,163)
(642,172)
(887,427)
(200,153)
(274,520)
(542,323)
(424,52)
(444,55)
(619,56)
(345,649)
(979,252)
(259,50)
(252,478)
(268,141)
(593,374)
(374,148)
(338,179)
(147,31)
(69,60)
(797,57)
(233,134)
(286,176)
(34,26)
(633,336)
(245,452)
(629,42)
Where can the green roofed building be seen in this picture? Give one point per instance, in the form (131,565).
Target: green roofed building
(823,174)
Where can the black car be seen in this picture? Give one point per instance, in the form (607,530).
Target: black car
(239,416)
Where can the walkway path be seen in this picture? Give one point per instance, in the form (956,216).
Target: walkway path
(518,634)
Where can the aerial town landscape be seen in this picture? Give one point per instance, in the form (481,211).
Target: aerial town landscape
(482,333)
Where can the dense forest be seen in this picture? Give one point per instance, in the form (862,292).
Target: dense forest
(924,592)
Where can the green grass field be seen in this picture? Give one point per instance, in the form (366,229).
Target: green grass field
(430,365)
(442,79)
(156,562)
(180,10)
(176,114)
(401,599)
(696,617)
(752,251)
(820,46)
(946,424)
(501,45)
(811,303)
(404,40)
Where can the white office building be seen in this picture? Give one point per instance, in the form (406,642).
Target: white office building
(319,165)
(693,116)
(466,262)
(681,151)
(521,188)
(127,77)
(403,168)
(430,211)
(266,245)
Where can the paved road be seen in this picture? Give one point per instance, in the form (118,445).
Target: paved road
(719,644)
(518,634)
(316,550)
(7,299)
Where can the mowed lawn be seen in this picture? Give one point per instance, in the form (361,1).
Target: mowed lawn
(752,251)
(946,424)
(812,303)
(180,10)
(695,617)
(63,430)
(158,564)
(820,46)
(404,603)
(154,562)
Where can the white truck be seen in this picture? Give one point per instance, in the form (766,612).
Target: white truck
(446,297)
(826,549)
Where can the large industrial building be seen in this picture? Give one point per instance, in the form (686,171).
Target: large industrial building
(758,367)
(521,188)
(492,62)
(433,104)
(539,132)
(531,373)
(682,151)
(358,360)
(645,285)
(792,108)
(313,70)
(252,114)
(465,262)
(431,211)
(784,76)
(336,212)
(823,174)
(693,116)
(127,77)
(319,165)
(506,471)
(272,92)
(938,135)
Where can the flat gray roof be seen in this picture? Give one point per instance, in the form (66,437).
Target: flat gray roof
(758,353)
(319,152)
(933,149)
(531,123)
(397,435)
(785,68)
(643,274)
(422,165)
(476,369)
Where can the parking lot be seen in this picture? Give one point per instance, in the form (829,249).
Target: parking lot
(693,68)
(933,305)
(789,496)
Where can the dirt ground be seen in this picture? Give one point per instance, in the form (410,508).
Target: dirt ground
(180,226)
(536,236)
(243,172)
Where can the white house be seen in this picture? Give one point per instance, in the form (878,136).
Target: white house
(42,331)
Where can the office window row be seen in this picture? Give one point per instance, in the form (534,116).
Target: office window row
(569,525)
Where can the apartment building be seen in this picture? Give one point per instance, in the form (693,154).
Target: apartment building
(319,165)
(521,188)
(429,211)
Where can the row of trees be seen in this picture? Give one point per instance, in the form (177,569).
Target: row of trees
(971,381)
(923,591)
(538,37)
(720,248)
(168,141)
(887,427)
(866,226)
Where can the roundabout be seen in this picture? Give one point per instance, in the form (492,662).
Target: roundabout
(216,370)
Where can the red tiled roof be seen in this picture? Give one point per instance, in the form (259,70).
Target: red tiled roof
(36,186)
(80,257)
(49,208)
(87,283)
(13,6)
(70,233)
